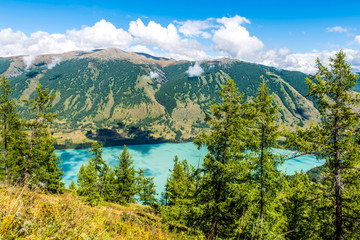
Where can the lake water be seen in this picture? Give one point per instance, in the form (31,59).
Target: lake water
(157,159)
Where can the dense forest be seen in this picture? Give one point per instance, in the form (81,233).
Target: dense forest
(237,193)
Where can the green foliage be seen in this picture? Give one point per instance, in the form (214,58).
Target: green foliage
(4,65)
(87,183)
(179,190)
(10,128)
(72,186)
(262,140)
(224,171)
(336,140)
(125,178)
(146,189)
(41,163)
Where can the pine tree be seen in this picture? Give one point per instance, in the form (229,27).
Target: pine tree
(87,183)
(125,178)
(301,209)
(72,186)
(265,161)
(146,189)
(41,164)
(336,140)
(179,190)
(101,168)
(10,127)
(225,172)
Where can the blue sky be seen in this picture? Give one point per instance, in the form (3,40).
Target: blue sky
(284,34)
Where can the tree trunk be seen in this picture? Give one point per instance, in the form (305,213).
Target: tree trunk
(27,170)
(213,230)
(5,152)
(262,173)
(338,185)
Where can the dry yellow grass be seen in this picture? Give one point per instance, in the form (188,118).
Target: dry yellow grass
(30,215)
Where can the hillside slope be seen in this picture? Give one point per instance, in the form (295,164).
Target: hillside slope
(117,97)
(26,214)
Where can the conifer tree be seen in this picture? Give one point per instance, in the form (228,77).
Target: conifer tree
(179,190)
(8,121)
(13,136)
(101,168)
(262,141)
(87,183)
(146,189)
(125,178)
(336,140)
(223,187)
(41,162)
(72,186)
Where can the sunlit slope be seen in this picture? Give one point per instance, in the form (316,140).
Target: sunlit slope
(116,97)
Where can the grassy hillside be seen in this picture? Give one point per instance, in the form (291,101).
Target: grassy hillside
(116,97)
(31,215)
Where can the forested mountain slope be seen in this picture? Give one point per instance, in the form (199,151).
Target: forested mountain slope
(118,97)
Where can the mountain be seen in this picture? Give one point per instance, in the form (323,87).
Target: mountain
(119,97)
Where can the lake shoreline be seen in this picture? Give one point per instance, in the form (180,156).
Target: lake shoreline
(118,143)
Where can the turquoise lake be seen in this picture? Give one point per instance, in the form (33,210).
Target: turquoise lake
(157,159)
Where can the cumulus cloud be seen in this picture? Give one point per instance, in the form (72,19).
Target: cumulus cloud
(141,49)
(196,28)
(102,35)
(195,71)
(304,62)
(228,37)
(232,39)
(337,29)
(168,39)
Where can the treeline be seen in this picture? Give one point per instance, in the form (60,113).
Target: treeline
(238,192)
(27,147)
(97,181)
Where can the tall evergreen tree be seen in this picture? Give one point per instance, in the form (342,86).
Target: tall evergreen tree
(41,162)
(262,141)
(101,167)
(224,171)
(335,139)
(87,183)
(146,189)
(179,190)
(10,127)
(125,178)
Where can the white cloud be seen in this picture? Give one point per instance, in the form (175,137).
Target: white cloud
(196,28)
(153,75)
(28,60)
(54,62)
(102,35)
(195,71)
(141,49)
(179,40)
(232,39)
(357,39)
(337,29)
(304,62)
(167,39)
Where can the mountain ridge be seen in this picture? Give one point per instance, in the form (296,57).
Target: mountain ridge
(119,97)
